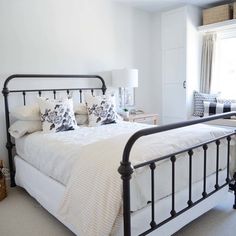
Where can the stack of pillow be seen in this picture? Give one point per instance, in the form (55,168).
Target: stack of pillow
(27,120)
(211,104)
(81,114)
(56,115)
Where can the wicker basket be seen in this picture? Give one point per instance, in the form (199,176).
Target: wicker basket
(3,190)
(217,14)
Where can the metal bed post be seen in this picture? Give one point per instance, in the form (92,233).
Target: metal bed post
(232,187)
(9,144)
(126,171)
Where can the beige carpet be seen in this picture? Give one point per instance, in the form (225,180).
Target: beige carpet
(21,215)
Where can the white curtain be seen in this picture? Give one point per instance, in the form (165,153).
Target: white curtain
(208,61)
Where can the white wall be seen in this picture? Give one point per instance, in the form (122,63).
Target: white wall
(194,50)
(156,63)
(74,36)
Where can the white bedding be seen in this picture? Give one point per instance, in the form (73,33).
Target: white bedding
(98,176)
(56,154)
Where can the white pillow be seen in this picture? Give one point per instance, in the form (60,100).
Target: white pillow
(28,112)
(101,109)
(57,114)
(22,127)
(80,109)
(81,119)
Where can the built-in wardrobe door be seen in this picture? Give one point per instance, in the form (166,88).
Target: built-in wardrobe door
(180,62)
(174,65)
(173,87)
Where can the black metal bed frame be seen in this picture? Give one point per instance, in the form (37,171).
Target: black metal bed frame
(126,169)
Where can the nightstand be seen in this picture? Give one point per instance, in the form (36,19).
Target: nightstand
(143,118)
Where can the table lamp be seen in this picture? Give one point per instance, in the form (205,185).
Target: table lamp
(122,79)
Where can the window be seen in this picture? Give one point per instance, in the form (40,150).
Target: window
(224,80)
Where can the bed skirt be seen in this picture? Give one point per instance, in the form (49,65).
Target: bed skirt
(49,194)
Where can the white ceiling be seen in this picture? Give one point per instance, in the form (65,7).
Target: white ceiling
(159,5)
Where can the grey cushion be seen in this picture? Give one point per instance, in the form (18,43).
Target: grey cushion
(199,98)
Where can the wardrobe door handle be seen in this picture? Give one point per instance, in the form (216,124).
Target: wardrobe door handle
(184,84)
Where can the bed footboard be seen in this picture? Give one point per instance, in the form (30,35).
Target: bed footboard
(126,170)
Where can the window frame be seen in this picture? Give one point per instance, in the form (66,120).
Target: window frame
(225,34)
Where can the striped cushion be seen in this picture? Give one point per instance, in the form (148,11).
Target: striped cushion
(199,98)
(212,108)
(225,100)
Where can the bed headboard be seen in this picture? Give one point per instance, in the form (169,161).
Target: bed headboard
(6,91)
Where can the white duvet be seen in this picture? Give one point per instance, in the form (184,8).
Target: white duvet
(54,154)
(88,168)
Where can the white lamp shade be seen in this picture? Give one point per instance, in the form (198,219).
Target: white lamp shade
(125,78)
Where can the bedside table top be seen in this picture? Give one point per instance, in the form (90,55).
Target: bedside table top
(143,118)
(143,115)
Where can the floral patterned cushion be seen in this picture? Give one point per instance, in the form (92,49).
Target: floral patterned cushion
(57,114)
(101,109)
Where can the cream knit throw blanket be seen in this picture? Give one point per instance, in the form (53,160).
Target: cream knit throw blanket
(93,195)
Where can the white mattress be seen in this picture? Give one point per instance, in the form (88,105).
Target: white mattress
(49,194)
(54,155)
